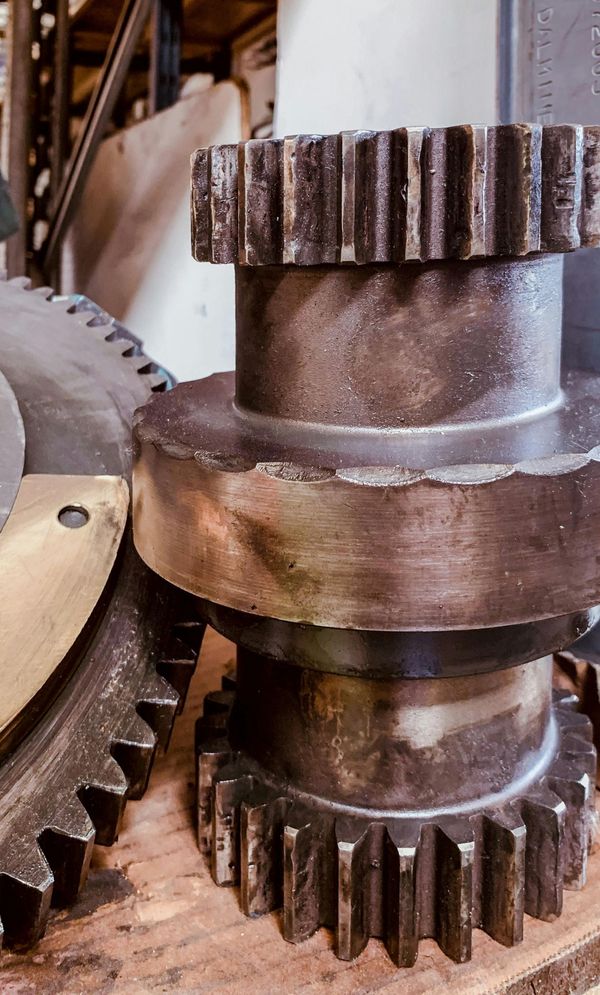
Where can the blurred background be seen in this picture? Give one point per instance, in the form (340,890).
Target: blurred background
(103,101)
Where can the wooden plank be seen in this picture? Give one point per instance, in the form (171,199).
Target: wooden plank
(151,920)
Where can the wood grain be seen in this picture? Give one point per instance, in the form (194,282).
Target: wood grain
(151,920)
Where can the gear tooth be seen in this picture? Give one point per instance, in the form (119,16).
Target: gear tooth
(260,214)
(25,897)
(104,799)
(503,876)
(20,281)
(455,851)
(180,657)
(45,292)
(200,205)
(575,789)
(580,752)
(311,216)
(231,787)
(401,921)
(157,705)
(223,203)
(574,722)
(465,191)
(303,876)
(212,756)
(409,154)
(261,855)
(513,189)
(590,197)
(366,199)
(218,703)
(561,698)
(67,845)
(134,750)
(157,382)
(435,191)
(562,163)
(353,865)
(544,816)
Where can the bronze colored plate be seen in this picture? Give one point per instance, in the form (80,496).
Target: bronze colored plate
(57,551)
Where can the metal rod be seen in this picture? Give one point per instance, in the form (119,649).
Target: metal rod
(124,40)
(60,103)
(17,127)
(165,55)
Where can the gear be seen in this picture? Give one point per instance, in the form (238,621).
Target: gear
(81,735)
(392,196)
(403,878)
(393,510)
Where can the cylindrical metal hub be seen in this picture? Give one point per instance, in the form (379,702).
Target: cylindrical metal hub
(383,346)
(374,747)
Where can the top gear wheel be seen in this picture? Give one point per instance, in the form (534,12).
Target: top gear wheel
(96,651)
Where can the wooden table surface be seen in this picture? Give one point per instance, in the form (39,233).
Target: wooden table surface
(151,920)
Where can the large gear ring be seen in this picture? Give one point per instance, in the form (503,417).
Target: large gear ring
(393,509)
(85,703)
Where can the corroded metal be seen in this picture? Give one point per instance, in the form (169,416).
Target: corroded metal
(110,645)
(399,809)
(392,508)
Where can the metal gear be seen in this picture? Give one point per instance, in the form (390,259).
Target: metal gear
(393,510)
(77,737)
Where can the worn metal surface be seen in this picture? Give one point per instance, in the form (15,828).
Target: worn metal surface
(489,806)
(55,567)
(391,508)
(90,739)
(409,194)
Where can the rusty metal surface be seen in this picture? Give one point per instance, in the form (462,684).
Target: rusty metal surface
(391,196)
(398,484)
(88,742)
(292,804)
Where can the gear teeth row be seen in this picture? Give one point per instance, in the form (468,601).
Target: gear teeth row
(90,315)
(390,196)
(54,869)
(399,880)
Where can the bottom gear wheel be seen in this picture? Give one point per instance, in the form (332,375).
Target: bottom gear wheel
(81,741)
(399,878)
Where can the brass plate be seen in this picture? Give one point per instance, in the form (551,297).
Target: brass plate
(51,578)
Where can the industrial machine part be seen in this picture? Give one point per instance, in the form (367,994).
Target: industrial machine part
(87,630)
(393,509)
(549,71)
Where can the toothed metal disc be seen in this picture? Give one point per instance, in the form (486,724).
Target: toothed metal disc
(77,378)
(393,196)
(477,862)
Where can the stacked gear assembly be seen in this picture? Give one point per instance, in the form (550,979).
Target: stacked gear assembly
(393,509)
(96,650)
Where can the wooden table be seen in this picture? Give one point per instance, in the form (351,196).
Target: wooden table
(151,920)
